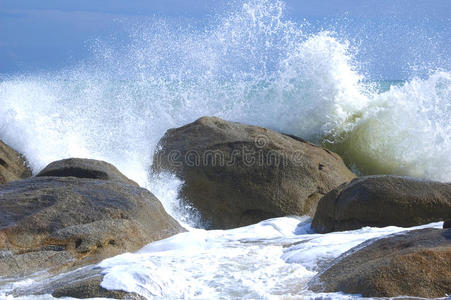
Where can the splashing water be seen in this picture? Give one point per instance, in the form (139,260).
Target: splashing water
(252,65)
(406,130)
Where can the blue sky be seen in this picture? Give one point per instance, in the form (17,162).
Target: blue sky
(50,34)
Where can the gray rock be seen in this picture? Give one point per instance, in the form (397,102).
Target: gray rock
(381,201)
(237,174)
(81,283)
(58,223)
(447,224)
(84,168)
(416,264)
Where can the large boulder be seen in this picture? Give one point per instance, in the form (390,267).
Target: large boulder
(380,201)
(84,168)
(57,223)
(13,165)
(237,174)
(416,263)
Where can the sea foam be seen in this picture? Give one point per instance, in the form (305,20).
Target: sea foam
(270,260)
(251,65)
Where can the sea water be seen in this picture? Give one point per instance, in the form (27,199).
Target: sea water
(251,65)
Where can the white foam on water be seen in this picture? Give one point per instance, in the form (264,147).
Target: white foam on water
(251,65)
(165,187)
(273,258)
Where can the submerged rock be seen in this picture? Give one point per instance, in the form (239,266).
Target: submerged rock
(84,168)
(237,174)
(447,223)
(416,263)
(81,283)
(13,165)
(380,201)
(57,223)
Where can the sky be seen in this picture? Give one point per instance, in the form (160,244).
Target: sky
(52,34)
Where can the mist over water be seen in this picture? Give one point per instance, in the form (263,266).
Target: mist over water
(252,65)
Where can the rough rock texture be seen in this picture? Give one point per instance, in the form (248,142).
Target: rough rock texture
(13,165)
(416,263)
(237,174)
(84,168)
(81,283)
(380,201)
(58,223)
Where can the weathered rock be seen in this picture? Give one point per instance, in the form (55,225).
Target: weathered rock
(90,288)
(380,201)
(13,165)
(84,168)
(58,223)
(237,174)
(81,283)
(416,264)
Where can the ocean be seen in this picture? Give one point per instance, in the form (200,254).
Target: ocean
(253,66)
